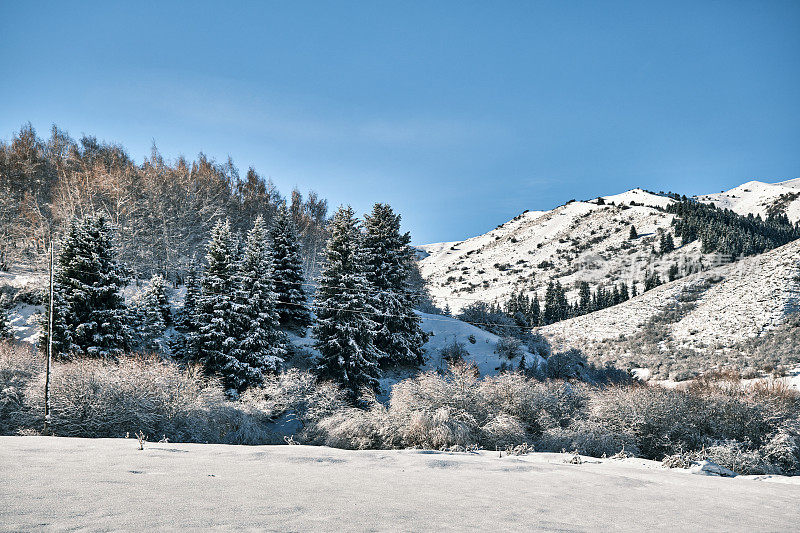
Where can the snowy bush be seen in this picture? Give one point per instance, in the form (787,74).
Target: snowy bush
(92,398)
(455,352)
(587,438)
(508,348)
(569,364)
(19,364)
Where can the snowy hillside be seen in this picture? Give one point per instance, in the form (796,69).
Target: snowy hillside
(579,241)
(760,198)
(708,312)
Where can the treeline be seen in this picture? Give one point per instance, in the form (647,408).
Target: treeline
(245,297)
(162,211)
(729,233)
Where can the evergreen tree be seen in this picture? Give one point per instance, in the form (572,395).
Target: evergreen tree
(217,334)
(633,234)
(287,273)
(5,327)
(667,243)
(345,328)
(388,257)
(261,346)
(186,344)
(651,281)
(535,314)
(89,315)
(623,292)
(634,293)
(159,289)
(584,298)
(147,318)
(673,273)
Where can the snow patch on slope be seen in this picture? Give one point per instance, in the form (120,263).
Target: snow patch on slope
(760,198)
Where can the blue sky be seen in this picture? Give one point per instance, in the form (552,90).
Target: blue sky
(461,114)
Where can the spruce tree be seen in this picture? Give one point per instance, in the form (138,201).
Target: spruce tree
(5,327)
(388,257)
(667,243)
(633,234)
(345,328)
(535,314)
(216,322)
(287,273)
(89,315)
(261,346)
(159,289)
(147,318)
(187,324)
(584,298)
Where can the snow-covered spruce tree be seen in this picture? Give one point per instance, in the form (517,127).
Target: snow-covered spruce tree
(147,318)
(5,327)
(287,273)
(261,346)
(89,313)
(345,327)
(159,289)
(185,345)
(216,340)
(388,258)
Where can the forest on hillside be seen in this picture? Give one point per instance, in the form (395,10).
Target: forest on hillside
(162,211)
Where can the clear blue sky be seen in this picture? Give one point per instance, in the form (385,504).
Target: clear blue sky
(459,114)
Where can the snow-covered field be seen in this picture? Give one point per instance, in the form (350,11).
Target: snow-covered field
(61,484)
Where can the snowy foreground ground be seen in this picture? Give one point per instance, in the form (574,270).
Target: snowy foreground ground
(108,484)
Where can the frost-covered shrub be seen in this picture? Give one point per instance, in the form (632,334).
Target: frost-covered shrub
(94,398)
(569,364)
(19,364)
(297,395)
(508,348)
(455,352)
(587,438)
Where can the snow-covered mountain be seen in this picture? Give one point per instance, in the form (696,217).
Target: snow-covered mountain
(713,309)
(760,198)
(579,241)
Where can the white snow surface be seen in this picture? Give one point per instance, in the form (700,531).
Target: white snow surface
(757,197)
(51,483)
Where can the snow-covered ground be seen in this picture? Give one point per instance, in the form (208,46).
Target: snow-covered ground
(61,484)
(758,198)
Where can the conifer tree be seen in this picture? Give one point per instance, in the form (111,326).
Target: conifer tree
(633,234)
(147,317)
(667,243)
(584,298)
(388,256)
(287,273)
(89,316)
(5,327)
(535,311)
(159,289)
(216,340)
(345,328)
(261,346)
(186,345)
